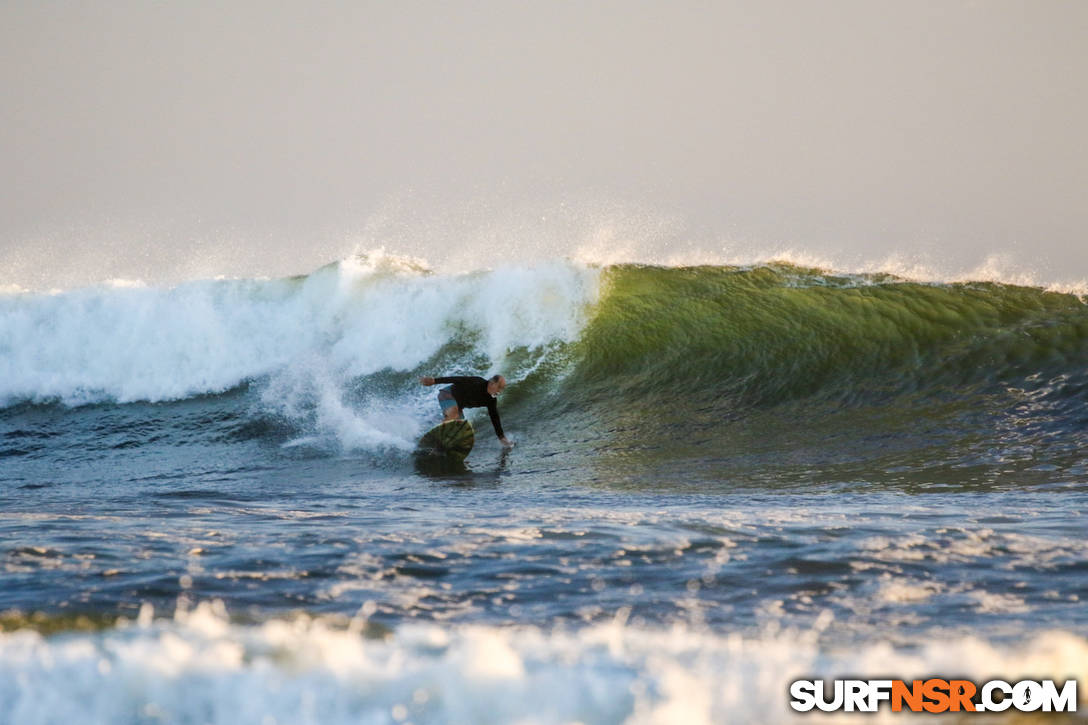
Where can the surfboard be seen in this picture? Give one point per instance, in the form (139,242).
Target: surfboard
(453,439)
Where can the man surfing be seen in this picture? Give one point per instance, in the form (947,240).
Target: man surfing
(466,391)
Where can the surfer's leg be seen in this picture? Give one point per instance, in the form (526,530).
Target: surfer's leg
(446,401)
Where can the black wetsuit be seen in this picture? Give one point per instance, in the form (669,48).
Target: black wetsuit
(471,392)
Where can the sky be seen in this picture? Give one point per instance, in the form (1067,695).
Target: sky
(166,140)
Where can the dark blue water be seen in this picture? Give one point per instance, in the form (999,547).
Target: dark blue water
(107,507)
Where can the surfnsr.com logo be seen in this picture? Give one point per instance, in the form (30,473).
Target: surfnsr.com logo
(933,695)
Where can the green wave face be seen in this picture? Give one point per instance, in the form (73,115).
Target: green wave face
(766,335)
(690,362)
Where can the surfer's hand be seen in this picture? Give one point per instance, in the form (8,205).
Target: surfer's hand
(427,380)
(507,443)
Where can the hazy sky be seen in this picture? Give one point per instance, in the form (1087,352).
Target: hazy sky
(166,139)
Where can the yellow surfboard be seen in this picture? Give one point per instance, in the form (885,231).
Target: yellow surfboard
(453,439)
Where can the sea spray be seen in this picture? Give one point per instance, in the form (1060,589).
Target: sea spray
(359,316)
(198,666)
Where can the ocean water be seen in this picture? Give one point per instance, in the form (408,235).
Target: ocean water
(725,478)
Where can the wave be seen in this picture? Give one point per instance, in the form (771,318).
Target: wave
(306,337)
(199,666)
(336,352)
(763,334)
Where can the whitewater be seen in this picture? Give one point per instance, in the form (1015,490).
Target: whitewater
(727,476)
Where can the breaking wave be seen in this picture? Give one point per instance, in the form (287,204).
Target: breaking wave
(336,353)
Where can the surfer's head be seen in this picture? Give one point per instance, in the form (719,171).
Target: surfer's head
(495,385)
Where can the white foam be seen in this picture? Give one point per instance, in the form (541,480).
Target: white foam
(309,338)
(904,590)
(964,545)
(198,667)
(990,603)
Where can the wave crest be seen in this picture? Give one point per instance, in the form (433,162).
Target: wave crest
(361,315)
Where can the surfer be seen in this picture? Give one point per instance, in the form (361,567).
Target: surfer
(466,391)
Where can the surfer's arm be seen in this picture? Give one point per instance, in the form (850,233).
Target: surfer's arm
(493,411)
(428,380)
